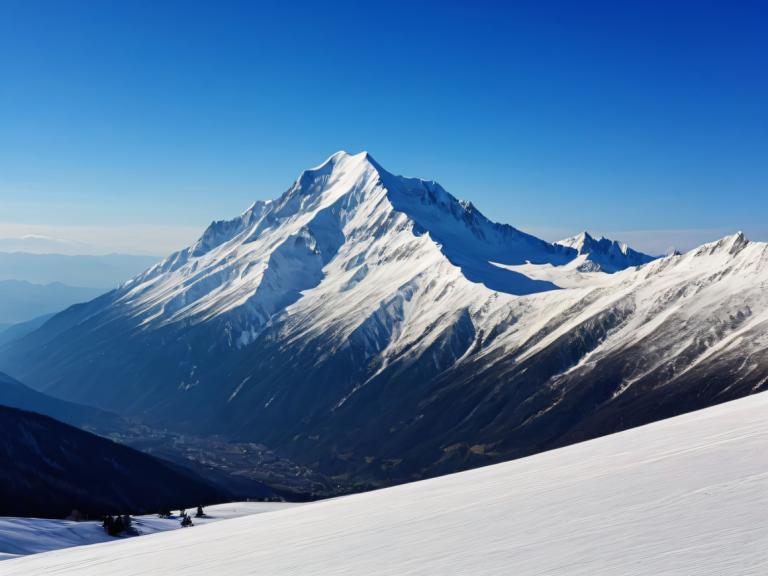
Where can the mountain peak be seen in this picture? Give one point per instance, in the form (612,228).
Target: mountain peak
(338,166)
(346,217)
(345,161)
(732,244)
(604,255)
(583,240)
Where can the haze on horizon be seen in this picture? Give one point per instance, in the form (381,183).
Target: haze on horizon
(123,133)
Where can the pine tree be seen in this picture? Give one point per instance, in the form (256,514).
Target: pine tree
(118,526)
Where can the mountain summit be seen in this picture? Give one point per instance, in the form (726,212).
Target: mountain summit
(375,328)
(346,219)
(604,255)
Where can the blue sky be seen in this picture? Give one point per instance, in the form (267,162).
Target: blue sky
(131,125)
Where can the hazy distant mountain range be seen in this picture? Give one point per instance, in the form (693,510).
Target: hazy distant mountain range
(104,272)
(33,286)
(21,301)
(374,327)
(41,244)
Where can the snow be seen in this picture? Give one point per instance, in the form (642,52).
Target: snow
(349,239)
(22,536)
(345,209)
(685,496)
(716,281)
(344,241)
(604,255)
(354,255)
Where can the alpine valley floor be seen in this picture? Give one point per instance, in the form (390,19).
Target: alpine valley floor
(686,496)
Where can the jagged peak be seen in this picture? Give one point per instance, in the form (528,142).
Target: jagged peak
(733,244)
(364,168)
(584,242)
(339,164)
(333,190)
(581,241)
(603,253)
(341,156)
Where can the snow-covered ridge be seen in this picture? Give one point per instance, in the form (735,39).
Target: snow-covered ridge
(604,255)
(346,210)
(391,264)
(688,495)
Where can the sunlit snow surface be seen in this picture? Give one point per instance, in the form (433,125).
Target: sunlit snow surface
(685,496)
(351,251)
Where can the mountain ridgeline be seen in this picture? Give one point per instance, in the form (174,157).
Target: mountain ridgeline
(48,468)
(375,328)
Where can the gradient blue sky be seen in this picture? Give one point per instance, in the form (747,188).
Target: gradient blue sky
(130,125)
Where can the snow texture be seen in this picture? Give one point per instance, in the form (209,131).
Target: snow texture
(686,496)
(22,536)
(323,236)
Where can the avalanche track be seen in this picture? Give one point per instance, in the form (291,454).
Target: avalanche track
(688,495)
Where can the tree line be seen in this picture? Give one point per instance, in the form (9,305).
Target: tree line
(122,524)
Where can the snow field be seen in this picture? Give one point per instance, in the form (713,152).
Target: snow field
(685,496)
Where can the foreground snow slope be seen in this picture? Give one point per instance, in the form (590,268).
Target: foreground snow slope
(22,536)
(684,496)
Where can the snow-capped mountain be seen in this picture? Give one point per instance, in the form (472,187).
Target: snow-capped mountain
(604,255)
(375,327)
(347,221)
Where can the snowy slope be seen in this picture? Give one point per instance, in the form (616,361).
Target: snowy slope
(378,329)
(686,496)
(22,536)
(346,219)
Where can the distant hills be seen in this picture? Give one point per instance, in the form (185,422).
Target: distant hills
(228,466)
(21,301)
(48,468)
(34,286)
(14,394)
(104,272)
(10,332)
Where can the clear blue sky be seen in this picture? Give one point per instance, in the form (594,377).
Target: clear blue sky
(552,116)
